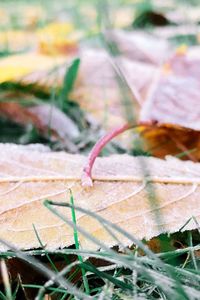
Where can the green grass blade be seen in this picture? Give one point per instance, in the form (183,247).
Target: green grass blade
(76,241)
(68,83)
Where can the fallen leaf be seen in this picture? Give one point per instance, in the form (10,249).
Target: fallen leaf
(173,102)
(140,46)
(185,14)
(29,175)
(177,31)
(48,119)
(97,90)
(170,103)
(53,39)
(58,38)
(166,140)
(97,81)
(18,114)
(52,118)
(167,102)
(15,67)
(167,96)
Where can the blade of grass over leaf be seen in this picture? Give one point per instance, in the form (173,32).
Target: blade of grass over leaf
(49,204)
(43,247)
(76,241)
(176,287)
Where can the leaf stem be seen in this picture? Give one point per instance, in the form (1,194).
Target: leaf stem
(86,175)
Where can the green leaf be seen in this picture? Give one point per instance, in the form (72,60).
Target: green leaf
(69,80)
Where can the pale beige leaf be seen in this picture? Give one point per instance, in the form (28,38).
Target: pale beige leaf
(140,46)
(174,94)
(168,32)
(30,175)
(97,90)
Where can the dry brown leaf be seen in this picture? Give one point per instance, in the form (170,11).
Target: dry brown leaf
(50,117)
(19,114)
(162,141)
(98,93)
(173,103)
(166,96)
(47,118)
(30,175)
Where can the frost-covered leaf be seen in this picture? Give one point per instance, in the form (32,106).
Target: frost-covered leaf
(122,194)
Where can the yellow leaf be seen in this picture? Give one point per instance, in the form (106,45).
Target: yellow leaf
(57,38)
(16,66)
(56,29)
